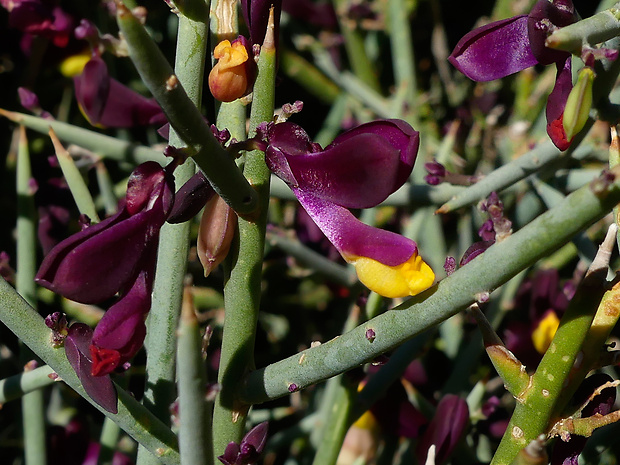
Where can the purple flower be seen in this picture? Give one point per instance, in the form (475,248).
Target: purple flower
(359,169)
(77,349)
(445,429)
(117,255)
(101,260)
(510,45)
(105,102)
(250,448)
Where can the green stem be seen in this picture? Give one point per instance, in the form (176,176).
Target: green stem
(403,57)
(354,45)
(21,384)
(173,250)
(33,406)
(483,274)
(195,424)
(102,145)
(538,404)
(184,116)
(593,30)
(243,288)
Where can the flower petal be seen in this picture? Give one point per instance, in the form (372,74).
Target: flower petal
(544,17)
(556,104)
(360,169)
(494,51)
(121,331)
(100,389)
(385,262)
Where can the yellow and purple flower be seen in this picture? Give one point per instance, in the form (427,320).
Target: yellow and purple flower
(359,169)
(510,45)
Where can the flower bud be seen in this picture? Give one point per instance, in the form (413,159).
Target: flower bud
(217,229)
(231,76)
(579,103)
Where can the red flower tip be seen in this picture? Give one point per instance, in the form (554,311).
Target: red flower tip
(105,361)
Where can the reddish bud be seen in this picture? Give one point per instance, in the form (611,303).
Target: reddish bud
(217,229)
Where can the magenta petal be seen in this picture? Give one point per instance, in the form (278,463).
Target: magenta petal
(92,88)
(126,108)
(107,102)
(122,327)
(494,51)
(353,238)
(92,266)
(556,103)
(360,169)
(104,259)
(77,348)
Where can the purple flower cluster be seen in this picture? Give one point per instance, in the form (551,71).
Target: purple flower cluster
(510,45)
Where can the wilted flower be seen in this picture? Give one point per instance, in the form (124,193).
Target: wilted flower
(233,75)
(248,451)
(105,102)
(510,45)
(359,169)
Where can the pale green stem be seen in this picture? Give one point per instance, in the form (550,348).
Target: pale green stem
(79,190)
(589,31)
(354,45)
(194,420)
(107,441)
(21,384)
(335,411)
(539,402)
(243,288)
(102,145)
(33,406)
(403,58)
(163,318)
(486,272)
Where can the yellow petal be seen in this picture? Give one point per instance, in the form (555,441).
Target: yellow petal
(409,278)
(544,332)
(74,64)
(229,55)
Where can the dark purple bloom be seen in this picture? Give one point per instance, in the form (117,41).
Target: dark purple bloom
(250,448)
(77,349)
(106,258)
(445,429)
(105,102)
(505,47)
(359,169)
